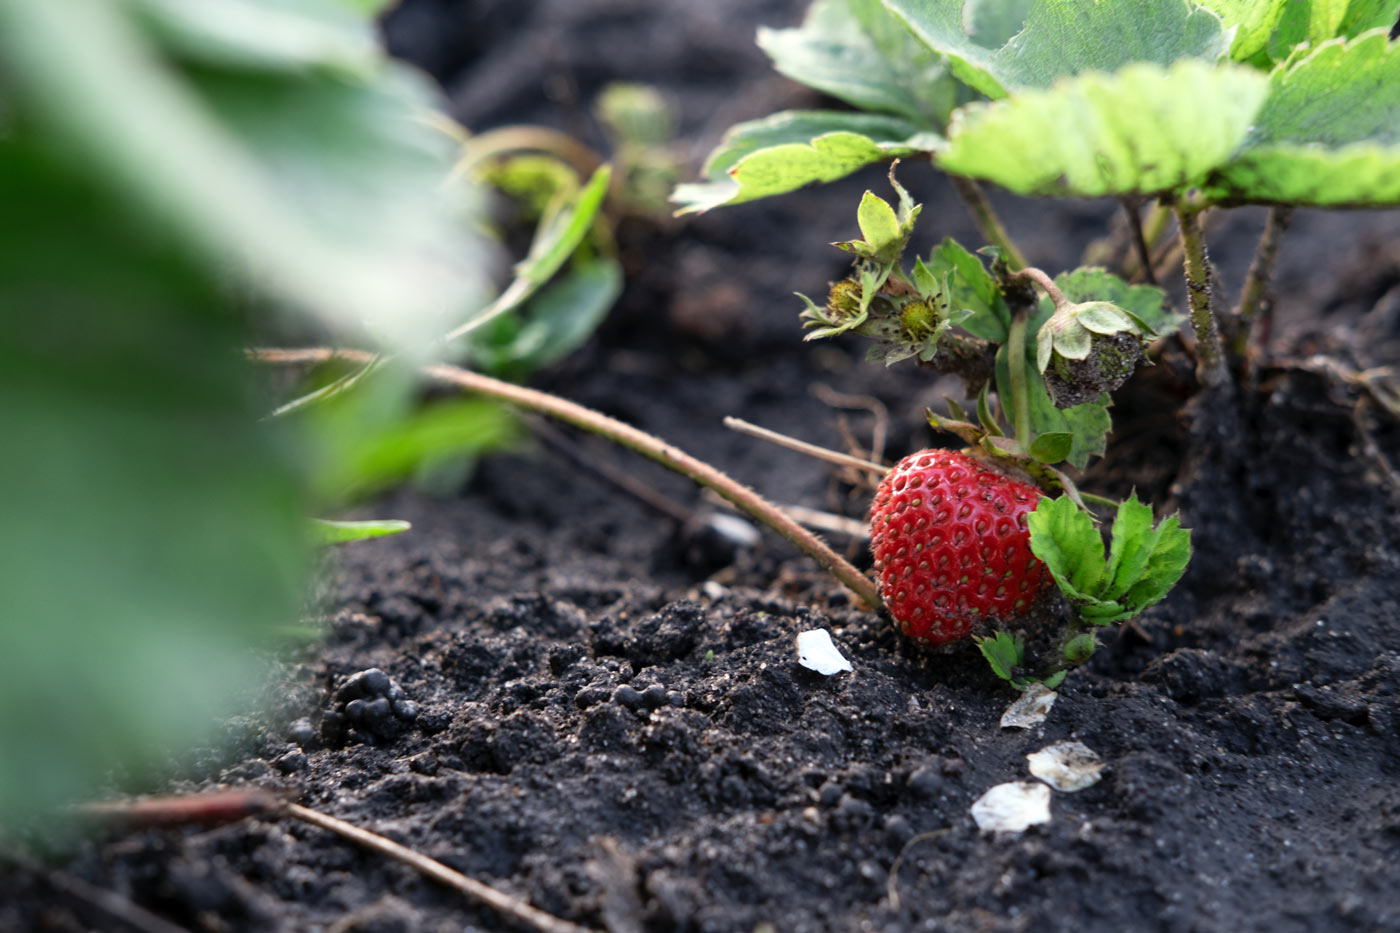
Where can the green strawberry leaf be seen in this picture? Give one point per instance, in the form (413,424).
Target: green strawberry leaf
(1171,552)
(972,288)
(787,150)
(1052,447)
(1143,130)
(1064,537)
(326,532)
(1254,22)
(1004,653)
(1144,563)
(1328,133)
(1130,546)
(856,51)
(1060,38)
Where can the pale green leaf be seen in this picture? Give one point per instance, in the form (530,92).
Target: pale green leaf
(856,51)
(1142,130)
(1328,134)
(788,150)
(1065,37)
(879,226)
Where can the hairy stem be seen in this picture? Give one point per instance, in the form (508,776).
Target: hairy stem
(1020,391)
(1256,283)
(1047,284)
(1210,357)
(987,221)
(743,498)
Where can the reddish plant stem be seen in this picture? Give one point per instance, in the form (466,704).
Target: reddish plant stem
(742,497)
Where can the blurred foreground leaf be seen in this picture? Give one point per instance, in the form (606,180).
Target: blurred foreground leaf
(170,173)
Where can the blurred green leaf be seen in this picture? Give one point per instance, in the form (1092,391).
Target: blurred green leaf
(315,181)
(1142,130)
(153,525)
(552,324)
(857,51)
(556,238)
(327,532)
(1328,133)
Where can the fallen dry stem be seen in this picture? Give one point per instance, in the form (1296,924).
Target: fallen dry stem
(811,450)
(633,439)
(431,868)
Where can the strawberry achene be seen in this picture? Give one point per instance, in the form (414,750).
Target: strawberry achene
(952,546)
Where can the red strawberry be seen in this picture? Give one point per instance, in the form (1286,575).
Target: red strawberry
(951,545)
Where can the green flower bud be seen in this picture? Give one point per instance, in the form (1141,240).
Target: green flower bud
(1087,349)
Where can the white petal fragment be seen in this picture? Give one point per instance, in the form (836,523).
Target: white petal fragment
(1010,808)
(816,652)
(1067,766)
(1030,708)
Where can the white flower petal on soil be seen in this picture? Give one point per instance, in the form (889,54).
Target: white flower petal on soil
(816,652)
(1010,808)
(1067,766)
(1030,708)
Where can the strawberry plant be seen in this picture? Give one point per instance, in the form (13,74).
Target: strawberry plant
(1185,107)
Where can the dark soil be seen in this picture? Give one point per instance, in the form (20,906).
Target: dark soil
(610,721)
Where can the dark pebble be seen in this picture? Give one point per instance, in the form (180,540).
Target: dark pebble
(627,696)
(853,813)
(654,696)
(590,696)
(829,794)
(897,830)
(376,712)
(290,762)
(675,698)
(926,782)
(424,764)
(406,709)
(302,732)
(367,683)
(355,710)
